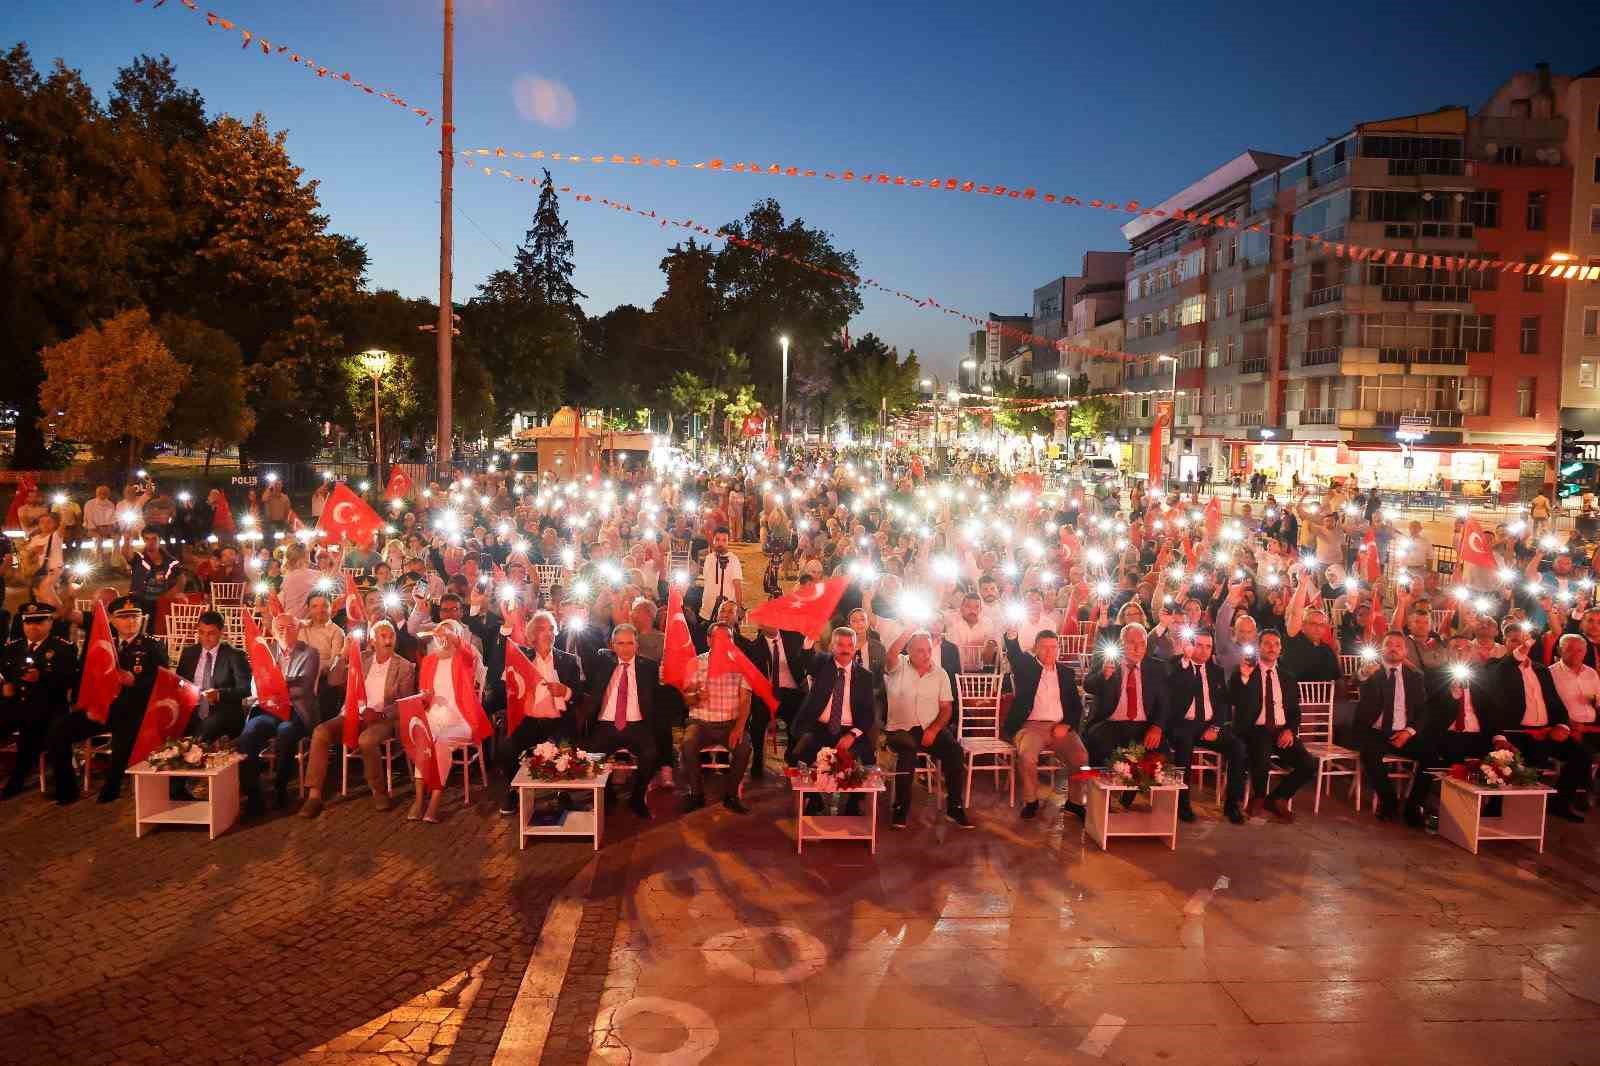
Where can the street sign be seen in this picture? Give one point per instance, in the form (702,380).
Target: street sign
(1415,424)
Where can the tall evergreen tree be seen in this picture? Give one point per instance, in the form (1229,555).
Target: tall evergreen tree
(544,260)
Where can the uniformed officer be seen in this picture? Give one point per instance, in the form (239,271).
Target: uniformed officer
(139,657)
(38,670)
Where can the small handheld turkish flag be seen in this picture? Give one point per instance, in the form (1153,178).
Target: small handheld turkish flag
(272,691)
(355,691)
(418,740)
(522,681)
(25,488)
(678,655)
(1371,565)
(166,716)
(1213,518)
(348,517)
(99,685)
(726,658)
(399,486)
(1475,545)
(804,610)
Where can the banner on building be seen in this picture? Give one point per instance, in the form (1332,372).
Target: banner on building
(1158,429)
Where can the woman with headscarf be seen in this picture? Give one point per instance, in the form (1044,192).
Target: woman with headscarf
(449,680)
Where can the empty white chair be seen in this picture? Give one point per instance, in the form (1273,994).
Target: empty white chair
(979,733)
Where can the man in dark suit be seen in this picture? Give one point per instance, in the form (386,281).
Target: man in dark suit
(1390,715)
(222,674)
(1198,716)
(839,712)
(552,709)
(1266,715)
(37,673)
(621,709)
(781,656)
(1129,693)
(1046,713)
(1533,719)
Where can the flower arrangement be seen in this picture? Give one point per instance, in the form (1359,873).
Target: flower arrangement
(1501,768)
(186,753)
(1136,766)
(561,762)
(835,771)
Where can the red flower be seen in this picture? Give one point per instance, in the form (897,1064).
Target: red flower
(1459,771)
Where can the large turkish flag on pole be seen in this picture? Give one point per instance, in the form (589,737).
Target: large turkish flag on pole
(1475,545)
(166,716)
(348,517)
(803,610)
(1158,428)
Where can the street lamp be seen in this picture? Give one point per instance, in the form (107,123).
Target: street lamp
(376,362)
(1172,423)
(783,397)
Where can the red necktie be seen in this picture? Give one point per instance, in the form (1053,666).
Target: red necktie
(1131,694)
(620,719)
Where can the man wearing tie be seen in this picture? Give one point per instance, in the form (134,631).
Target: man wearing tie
(1266,714)
(1534,720)
(222,674)
(623,708)
(37,674)
(1129,700)
(780,655)
(1390,715)
(1199,718)
(838,713)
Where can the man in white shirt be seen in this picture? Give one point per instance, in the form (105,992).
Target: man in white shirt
(721,577)
(552,709)
(1535,722)
(100,517)
(46,548)
(1578,685)
(319,631)
(386,679)
(920,703)
(971,630)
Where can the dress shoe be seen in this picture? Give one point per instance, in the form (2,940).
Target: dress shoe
(1233,814)
(735,804)
(1415,817)
(382,801)
(639,808)
(693,802)
(1185,812)
(311,807)
(508,806)
(899,818)
(1076,808)
(280,798)
(1030,809)
(1562,809)
(959,817)
(1279,809)
(1580,802)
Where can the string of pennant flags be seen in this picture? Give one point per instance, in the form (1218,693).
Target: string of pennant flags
(925,302)
(249,37)
(1339,249)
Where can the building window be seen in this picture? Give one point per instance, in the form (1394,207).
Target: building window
(1594,218)
(1591,321)
(1532,282)
(1229,302)
(1536,205)
(1508,153)
(1477,333)
(1227,352)
(1529,344)
(1483,208)
(1586,374)
(1233,250)
(1525,397)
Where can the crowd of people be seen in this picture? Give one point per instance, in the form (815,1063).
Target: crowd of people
(1112,619)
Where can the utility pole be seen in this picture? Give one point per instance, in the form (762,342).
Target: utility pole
(447,162)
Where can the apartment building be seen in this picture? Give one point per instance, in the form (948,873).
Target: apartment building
(1095,321)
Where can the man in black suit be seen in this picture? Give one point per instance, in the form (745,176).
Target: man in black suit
(1046,713)
(1130,704)
(1266,715)
(552,709)
(222,674)
(1390,715)
(1199,716)
(838,712)
(781,656)
(621,708)
(1533,719)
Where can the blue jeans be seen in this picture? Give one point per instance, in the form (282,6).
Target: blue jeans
(260,730)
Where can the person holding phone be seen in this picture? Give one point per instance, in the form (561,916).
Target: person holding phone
(1266,702)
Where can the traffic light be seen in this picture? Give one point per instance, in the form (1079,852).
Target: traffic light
(1576,473)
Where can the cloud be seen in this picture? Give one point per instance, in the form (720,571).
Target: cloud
(546,102)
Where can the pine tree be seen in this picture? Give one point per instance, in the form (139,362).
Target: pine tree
(544,260)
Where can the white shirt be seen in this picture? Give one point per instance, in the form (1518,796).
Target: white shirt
(775,650)
(545,704)
(1579,689)
(1047,697)
(1199,708)
(1027,631)
(49,547)
(199,677)
(98,513)
(1467,714)
(377,683)
(914,698)
(1534,713)
(957,631)
(731,572)
(1269,675)
(608,708)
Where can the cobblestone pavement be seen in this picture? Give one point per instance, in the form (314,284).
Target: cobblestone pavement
(356,937)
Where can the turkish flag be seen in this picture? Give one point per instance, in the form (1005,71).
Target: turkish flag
(1213,518)
(678,655)
(399,486)
(803,610)
(99,685)
(1475,545)
(355,692)
(417,738)
(354,609)
(25,488)
(466,692)
(726,658)
(348,517)
(522,681)
(1371,565)
(166,716)
(272,691)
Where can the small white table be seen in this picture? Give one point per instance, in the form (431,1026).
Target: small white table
(590,823)
(153,804)
(1461,820)
(1104,822)
(836,826)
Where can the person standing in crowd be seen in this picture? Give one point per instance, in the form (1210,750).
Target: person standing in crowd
(152,569)
(100,518)
(722,576)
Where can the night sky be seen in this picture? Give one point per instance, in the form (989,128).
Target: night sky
(1112,100)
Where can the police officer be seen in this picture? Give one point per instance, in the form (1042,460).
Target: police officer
(38,671)
(138,659)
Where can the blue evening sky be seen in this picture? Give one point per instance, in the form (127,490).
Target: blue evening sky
(1097,99)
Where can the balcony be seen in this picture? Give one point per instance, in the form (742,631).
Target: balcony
(1317,416)
(1405,168)
(1440,419)
(1446,294)
(1319,356)
(1326,295)
(1253,365)
(1257,311)
(1252,418)
(1440,356)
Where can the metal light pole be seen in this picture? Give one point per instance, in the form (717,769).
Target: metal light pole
(447,160)
(783,400)
(376,363)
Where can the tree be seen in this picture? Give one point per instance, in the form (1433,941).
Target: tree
(688,394)
(543,262)
(209,412)
(1092,415)
(147,100)
(875,378)
(113,383)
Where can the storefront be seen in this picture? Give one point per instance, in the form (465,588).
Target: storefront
(1506,473)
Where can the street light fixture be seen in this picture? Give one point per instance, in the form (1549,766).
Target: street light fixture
(376,362)
(783,395)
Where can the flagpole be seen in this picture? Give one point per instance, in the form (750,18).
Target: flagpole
(447,152)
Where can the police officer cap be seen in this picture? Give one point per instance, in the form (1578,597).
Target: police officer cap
(126,605)
(35,611)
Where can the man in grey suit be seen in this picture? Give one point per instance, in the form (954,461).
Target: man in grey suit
(300,666)
(387,679)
